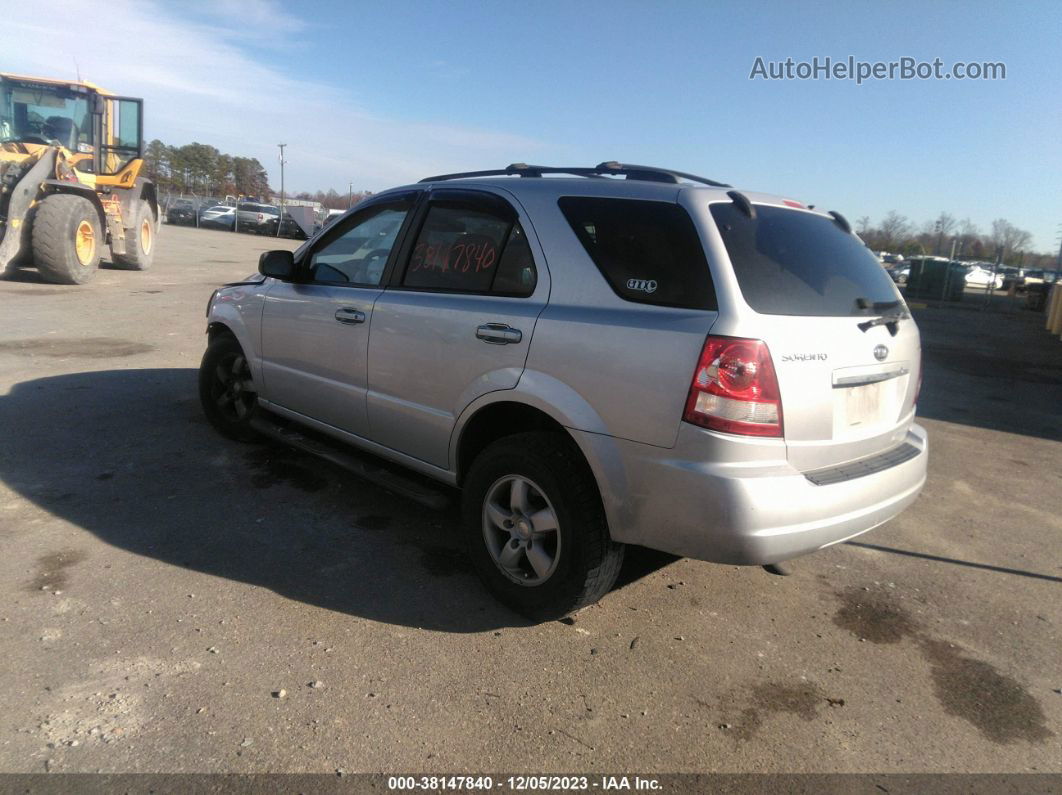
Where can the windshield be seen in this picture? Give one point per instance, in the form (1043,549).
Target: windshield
(791,262)
(41,113)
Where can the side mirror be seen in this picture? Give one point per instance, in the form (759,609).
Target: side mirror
(278,264)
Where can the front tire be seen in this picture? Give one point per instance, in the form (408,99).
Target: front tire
(535,527)
(139,240)
(226,391)
(67,239)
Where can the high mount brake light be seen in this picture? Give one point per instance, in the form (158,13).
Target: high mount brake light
(735,389)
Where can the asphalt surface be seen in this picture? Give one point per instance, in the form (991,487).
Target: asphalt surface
(173,601)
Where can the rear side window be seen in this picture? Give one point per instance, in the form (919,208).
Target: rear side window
(648,251)
(791,262)
(516,270)
(470,249)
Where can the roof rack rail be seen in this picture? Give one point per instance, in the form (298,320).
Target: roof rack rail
(608,168)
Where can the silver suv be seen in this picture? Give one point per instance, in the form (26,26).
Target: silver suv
(252,216)
(595,357)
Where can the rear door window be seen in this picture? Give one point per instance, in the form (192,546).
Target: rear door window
(793,262)
(471,245)
(648,251)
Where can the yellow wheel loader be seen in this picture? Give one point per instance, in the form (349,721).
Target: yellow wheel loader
(71,155)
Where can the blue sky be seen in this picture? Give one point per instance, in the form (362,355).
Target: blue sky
(384,93)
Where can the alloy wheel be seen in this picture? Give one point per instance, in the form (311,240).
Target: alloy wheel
(521,530)
(232,389)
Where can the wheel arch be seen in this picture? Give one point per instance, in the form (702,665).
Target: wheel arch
(506,412)
(215,328)
(61,187)
(492,421)
(225,318)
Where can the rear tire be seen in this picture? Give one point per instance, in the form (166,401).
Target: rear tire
(140,240)
(541,573)
(226,391)
(67,239)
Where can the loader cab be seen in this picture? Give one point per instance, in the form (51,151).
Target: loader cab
(103,133)
(43,112)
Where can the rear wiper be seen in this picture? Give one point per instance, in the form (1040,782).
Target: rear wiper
(885,318)
(890,321)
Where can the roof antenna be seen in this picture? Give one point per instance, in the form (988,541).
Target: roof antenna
(77,69)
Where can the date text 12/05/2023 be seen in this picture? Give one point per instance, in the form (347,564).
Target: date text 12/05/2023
(524,783)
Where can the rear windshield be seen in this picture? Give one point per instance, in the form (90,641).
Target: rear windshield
(791,262)
(648,251)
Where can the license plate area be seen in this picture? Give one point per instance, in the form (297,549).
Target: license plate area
(867,399)
(862,405)
(867,409)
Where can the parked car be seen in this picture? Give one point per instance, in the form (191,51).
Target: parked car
(181,211)
(899,273)
(290,229)
(1012,276)
(220,216)
(331,216)
(657,360)
(1032,276)
(980,277)
(252,216)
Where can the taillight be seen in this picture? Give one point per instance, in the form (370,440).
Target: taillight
(735,389)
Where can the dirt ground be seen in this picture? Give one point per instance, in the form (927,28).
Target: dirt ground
(173,601)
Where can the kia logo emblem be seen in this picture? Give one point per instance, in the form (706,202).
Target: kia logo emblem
(880,352)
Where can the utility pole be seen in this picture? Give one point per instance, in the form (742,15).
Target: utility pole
(350,195)
(1058,262)
(280,222)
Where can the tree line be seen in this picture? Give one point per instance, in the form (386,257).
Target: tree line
(205,171)
(946,235)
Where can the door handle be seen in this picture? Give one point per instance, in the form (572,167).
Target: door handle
(350,316)
(498,334)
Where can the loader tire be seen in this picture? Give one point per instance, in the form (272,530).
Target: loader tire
(67,239)
(139,240)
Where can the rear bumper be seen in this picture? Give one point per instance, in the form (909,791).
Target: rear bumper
(752,510)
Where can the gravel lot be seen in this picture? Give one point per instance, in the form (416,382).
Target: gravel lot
(172,601)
